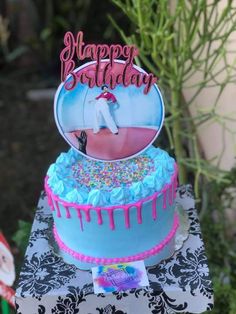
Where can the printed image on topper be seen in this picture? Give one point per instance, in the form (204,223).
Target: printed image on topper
(108,124)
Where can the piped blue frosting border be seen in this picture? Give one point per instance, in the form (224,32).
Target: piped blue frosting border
(62,183)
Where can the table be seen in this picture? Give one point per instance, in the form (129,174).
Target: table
(180,284)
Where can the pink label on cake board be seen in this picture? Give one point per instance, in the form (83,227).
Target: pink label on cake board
(119,277)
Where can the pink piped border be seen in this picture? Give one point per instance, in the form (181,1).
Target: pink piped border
(168,191)
(106,261)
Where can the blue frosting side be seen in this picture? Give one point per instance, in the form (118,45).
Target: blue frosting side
(100,241)
(67,187)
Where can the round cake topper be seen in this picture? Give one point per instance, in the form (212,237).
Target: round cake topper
(108,124)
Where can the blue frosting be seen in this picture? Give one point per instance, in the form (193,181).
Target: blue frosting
(76,196)
(139,190)
(119,196)
(67,187)
(53,180)
(60,188)
(150,181)
(97,198)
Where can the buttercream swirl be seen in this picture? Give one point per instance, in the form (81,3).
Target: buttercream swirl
(63,183)
(59,188)
(139,190)
(119,196)
(97,198)
(76,196)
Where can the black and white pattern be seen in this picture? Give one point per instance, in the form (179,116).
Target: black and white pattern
(162,303)
(43,273)
(41,217)
(41,309)
(179,284)
(191,271)
(194,223)
(162,279)
(70,304)
(185,191)
(43,195)
(109,309)
(38,234)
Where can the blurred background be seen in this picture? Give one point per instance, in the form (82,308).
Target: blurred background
(189,45)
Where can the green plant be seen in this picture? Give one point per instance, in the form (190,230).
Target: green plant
(176,39)
(7,54)
(21,236)
(218,232)
(54,18)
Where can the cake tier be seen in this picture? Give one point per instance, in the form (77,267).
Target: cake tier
(136,224)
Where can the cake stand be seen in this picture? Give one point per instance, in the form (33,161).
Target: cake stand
(177,285)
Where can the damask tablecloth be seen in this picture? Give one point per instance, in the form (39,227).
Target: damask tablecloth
(180,284)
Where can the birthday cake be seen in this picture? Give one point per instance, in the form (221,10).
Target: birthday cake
(113,212)
(112,195)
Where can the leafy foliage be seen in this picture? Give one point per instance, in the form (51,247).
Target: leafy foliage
(176,39)
(6,54)
(21,236)
(174,42)
(218,236)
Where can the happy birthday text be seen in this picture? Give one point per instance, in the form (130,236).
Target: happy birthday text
(75,48)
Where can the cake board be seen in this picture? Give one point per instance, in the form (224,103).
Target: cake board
(179,284)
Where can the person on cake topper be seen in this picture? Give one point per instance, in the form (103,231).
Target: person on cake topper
(102,110)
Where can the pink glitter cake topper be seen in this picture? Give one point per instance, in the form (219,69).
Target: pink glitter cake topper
(107,109)
(75,47)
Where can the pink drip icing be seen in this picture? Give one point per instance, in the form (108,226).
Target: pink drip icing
(154,206)
(52,197)
(80,218)
(126,214)
(139,211)
(87,215)
(164,199)
(170,194)
(50,202)
(106,261)
(111,218)
(47,190)
(58,209)
(52,207)
(99,214)
(67,212)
